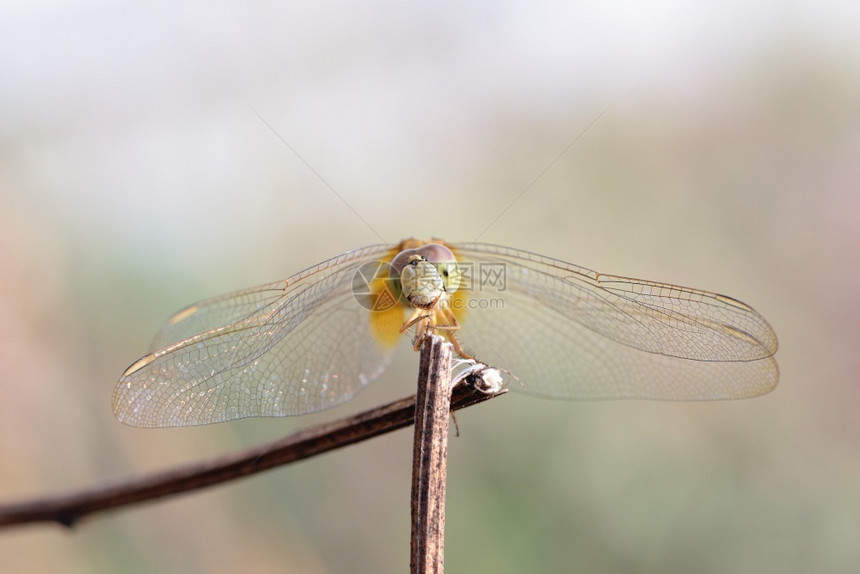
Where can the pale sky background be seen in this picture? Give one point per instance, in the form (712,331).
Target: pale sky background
(707,144)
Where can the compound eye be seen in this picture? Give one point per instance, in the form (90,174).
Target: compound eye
(445,262)
(401,260)
(450,274)
(435,253)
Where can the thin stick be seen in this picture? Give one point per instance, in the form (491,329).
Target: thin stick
(69,509)
(430,454)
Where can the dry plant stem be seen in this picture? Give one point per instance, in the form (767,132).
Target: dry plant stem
(69,509)
(430,453)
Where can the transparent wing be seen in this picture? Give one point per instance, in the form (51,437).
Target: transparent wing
(569,332)
(293,347)
(222,310)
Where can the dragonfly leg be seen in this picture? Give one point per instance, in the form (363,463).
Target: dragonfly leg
(417,315)
(420,318)
(423,322)
(458,348)
(422,331)
(449,329)
(451,323)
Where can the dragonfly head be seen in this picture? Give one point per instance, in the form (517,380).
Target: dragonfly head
(426,274)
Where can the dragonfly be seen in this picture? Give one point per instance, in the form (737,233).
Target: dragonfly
(314,340)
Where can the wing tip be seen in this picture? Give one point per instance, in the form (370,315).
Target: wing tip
(138,365)
(183,314)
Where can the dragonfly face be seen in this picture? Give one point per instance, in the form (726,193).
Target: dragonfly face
(313,340)
(421,283)
(427,274)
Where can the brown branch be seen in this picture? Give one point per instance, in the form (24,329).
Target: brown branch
(69,509)
(430,457)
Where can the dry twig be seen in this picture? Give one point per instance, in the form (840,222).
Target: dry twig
(430,455)
(69,509)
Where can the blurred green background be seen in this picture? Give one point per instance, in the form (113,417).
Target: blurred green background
(136,178)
